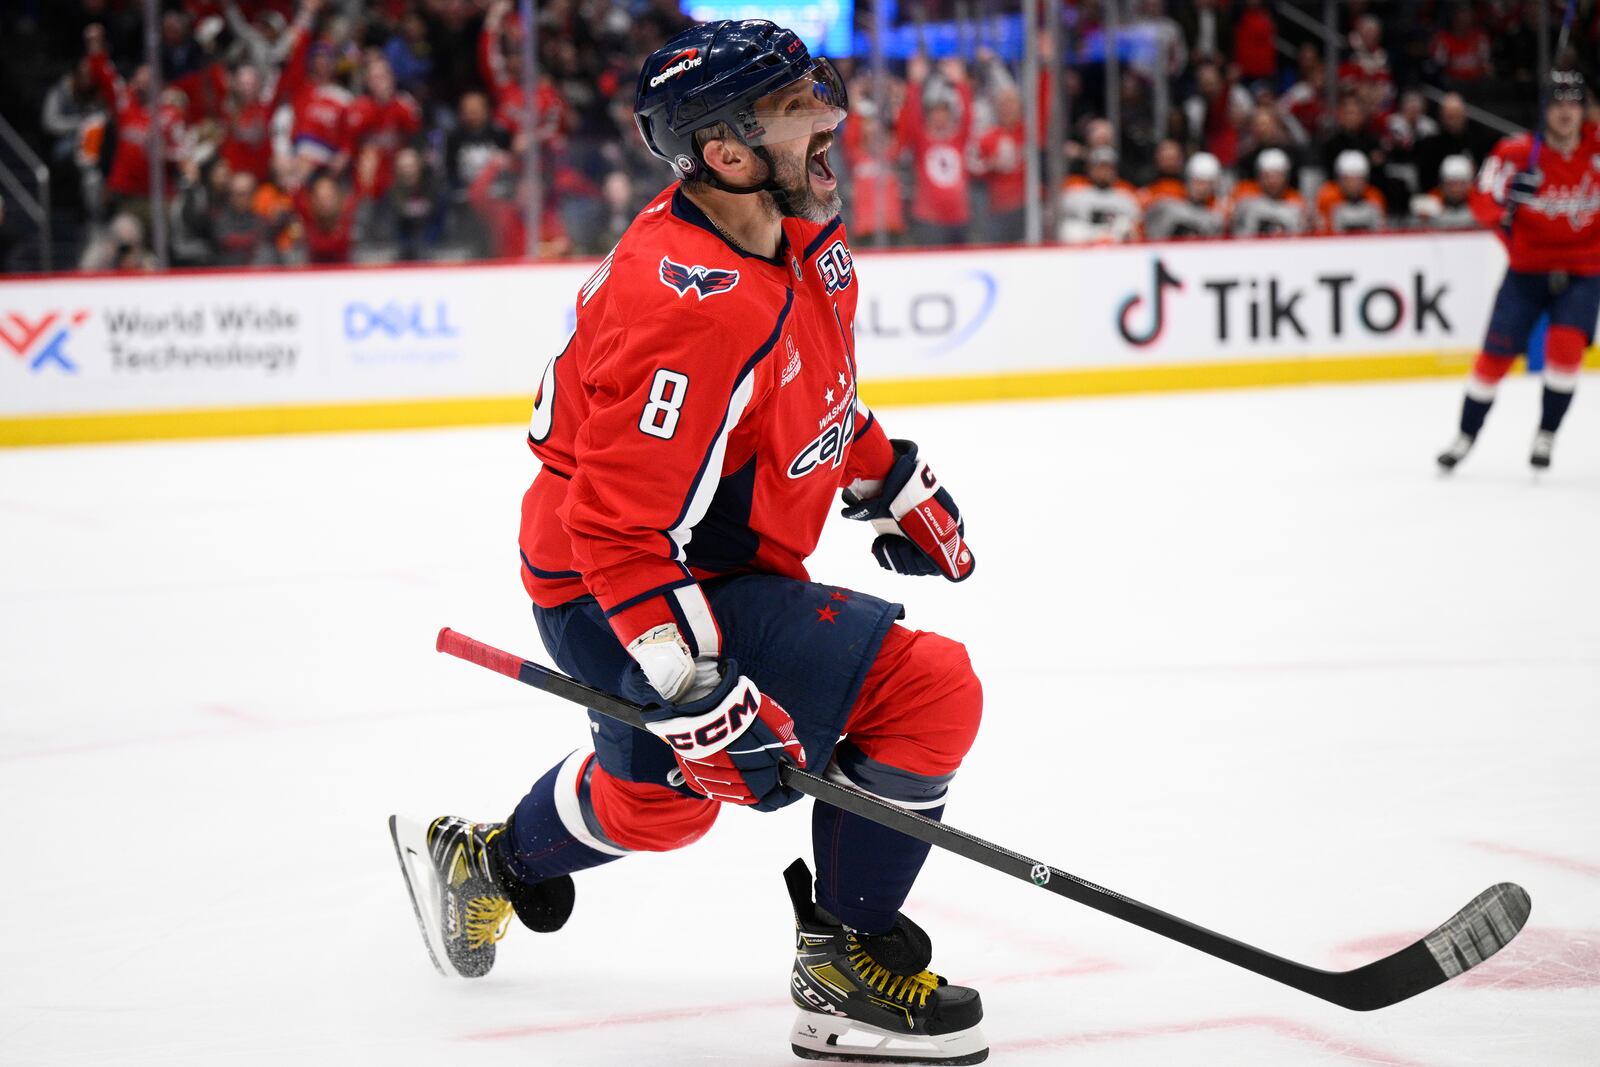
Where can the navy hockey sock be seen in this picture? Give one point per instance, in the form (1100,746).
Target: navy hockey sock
(1555,409)
(865,871)
(554,830)
(1473,412)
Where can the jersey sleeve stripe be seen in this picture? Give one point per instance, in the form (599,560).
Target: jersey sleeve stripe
(554,576)
(704,485)
(691,606)
(648,594)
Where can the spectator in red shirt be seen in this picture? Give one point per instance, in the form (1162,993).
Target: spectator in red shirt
(384,120)
(936,129)
(247,124)
(1002,168)
(327,220)
(1303,101)
(511,101)
(129,104)
(1253,49)
(128,184)
(320,104)
(1216,112)
(876,201)
(1461,53)
(498,194)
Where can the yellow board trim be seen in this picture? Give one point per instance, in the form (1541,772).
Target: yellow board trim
(99,427)
(1100,381)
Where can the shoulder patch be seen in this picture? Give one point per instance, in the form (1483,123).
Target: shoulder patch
(836,267)
(705,281)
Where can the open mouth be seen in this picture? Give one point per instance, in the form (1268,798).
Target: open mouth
(817,166)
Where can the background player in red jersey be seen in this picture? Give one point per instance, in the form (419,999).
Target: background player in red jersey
(1545,203)
(693,435)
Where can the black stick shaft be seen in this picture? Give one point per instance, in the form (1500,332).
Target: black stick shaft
(1378,984)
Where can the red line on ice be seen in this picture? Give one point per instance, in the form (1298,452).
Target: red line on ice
(1541,958)
(667,1015)
(228,711)
(1548,858)
(1327,1042)
(636,1019)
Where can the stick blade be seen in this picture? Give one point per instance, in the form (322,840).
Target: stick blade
(1485,926)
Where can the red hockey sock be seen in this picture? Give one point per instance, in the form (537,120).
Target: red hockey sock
(646,817)
(1487,370)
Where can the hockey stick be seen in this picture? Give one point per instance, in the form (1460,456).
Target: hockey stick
(1544,105)
(1473,934)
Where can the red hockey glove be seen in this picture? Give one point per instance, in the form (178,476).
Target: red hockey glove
(731,743)
(919,527)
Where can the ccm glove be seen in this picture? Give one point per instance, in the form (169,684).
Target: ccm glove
(731,743)
(919,527)
(1523,188)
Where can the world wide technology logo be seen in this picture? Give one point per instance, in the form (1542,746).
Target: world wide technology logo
(42,342)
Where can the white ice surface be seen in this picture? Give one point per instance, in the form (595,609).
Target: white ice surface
(1246,658)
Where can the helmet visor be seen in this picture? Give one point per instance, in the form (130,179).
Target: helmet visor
(814,103)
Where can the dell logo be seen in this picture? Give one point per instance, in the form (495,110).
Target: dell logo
(395,320)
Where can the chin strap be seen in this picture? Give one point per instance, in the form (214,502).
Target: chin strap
(779,197)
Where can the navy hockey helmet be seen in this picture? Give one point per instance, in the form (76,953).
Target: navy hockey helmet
(717,72)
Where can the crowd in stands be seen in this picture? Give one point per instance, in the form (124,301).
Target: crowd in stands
(334,131)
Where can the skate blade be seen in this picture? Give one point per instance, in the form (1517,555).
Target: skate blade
(831,1037)
(422,884)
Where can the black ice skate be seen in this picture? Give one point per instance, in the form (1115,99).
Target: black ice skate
(869,997)
(462,894)
(1456,452)
(1543,442)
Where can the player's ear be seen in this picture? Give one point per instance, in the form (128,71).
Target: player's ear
(729,158)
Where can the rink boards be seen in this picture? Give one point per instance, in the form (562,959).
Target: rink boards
(219,353)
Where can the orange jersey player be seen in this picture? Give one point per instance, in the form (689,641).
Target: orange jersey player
(1349,203)
(694,434)
(1268,205)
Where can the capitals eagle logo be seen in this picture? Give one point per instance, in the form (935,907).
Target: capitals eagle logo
(705,281)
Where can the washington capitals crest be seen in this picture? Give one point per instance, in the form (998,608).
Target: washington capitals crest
(705,281)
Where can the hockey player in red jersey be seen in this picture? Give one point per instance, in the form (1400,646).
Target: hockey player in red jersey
(693,435)
(1544,200)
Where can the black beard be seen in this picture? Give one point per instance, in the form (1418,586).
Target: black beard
(797,200)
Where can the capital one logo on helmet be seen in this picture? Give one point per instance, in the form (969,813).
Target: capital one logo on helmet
(686,60)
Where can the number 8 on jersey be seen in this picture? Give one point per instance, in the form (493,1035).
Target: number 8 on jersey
(660,415)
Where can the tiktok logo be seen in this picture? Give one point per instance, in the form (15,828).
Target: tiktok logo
(1164,280)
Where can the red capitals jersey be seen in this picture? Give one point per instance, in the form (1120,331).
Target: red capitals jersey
(319,116)
(1560,229)
(386,125)
(1001,153)
(319,110)
(700,421)
(941,194)
(248,143)
(130,166)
